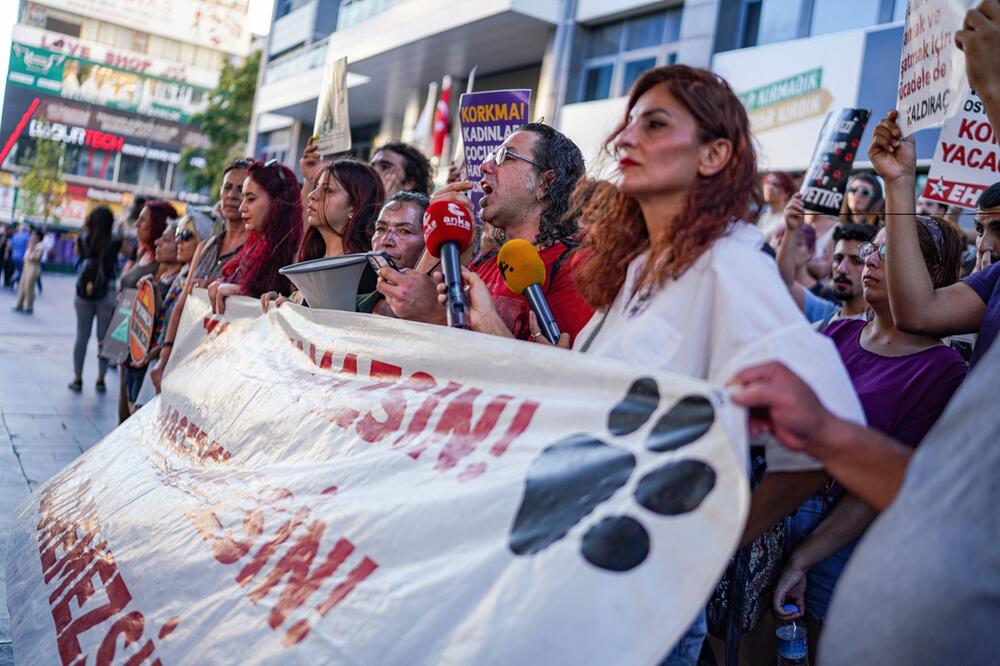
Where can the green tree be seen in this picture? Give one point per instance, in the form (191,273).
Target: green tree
(225,122)
(41,188)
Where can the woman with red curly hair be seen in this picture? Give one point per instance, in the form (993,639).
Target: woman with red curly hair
(679,280)
(272,213)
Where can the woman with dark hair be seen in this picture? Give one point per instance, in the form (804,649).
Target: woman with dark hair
(342,209)
(272,213)
(680,283)
(904,382)
(340,216)
(778,187)
(864,203)
(98,251)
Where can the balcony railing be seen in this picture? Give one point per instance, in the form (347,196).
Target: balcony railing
(296,62)
(353,12)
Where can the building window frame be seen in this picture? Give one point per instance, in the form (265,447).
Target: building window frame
(884,14)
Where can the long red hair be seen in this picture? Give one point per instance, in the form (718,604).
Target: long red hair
(256,266)
(713,202)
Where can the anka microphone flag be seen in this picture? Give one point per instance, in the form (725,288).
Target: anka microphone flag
(932,74)
(824,184)
(442,120)
(965,159)
(324,487)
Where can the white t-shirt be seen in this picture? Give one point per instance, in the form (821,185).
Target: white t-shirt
(730,310)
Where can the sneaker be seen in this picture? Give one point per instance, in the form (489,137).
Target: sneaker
(29,311)
(17,309)
(101,388)
(75,385)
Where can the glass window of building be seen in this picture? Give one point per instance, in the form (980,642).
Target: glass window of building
(615,54)
(769,21)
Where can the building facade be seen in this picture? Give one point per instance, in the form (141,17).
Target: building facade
(579,58)
(116,82)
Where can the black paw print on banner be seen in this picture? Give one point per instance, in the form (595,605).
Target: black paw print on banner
(571,478)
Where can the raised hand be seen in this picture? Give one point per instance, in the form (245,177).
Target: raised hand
(893,155)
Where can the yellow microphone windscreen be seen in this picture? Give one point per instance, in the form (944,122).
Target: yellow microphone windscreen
(520,265)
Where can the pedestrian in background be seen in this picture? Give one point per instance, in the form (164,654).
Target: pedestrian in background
(31,268)
(98,250)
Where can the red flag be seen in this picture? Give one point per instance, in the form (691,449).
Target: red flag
(442,117)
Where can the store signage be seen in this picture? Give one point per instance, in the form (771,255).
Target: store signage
(216,25)
(98,140)
(139,63)
(84,80)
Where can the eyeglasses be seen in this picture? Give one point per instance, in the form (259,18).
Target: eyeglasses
(866,250)
(862,191)
(500,155)
(184,234)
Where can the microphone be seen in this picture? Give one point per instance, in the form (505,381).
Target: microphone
(524,272)
(448,232)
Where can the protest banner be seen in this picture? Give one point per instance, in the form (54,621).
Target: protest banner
(965,159)
(114,347)
(825,181)
(332,124)
(931,67)
(303,492)
(142,320)
(487,118)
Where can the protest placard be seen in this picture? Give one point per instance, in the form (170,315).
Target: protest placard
(825,181)
(303,492)
(332,124)
(931,67)
(965,159)
(142,321)
(487,118)
(114,347)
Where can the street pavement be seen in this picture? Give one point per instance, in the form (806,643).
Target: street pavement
(44,425)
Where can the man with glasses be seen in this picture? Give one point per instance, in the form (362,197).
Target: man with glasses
(399,234)
(527,183)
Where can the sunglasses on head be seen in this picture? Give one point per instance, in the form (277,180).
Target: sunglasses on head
(275,164)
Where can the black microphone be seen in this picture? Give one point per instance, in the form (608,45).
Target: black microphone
(524,272)
(448,232)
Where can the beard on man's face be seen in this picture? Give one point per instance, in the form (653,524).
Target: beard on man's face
(843,288)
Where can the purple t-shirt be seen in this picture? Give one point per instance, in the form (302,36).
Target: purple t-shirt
(986,283)
(902,395)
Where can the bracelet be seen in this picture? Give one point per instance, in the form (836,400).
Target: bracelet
(169,343)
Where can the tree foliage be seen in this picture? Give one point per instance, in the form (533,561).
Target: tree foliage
(41,188)
(225,122)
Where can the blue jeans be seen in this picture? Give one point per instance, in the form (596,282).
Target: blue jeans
(688,648)
(822,578)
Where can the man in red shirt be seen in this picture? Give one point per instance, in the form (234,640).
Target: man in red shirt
(527,183)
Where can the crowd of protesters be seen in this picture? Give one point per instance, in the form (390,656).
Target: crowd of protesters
(881,536)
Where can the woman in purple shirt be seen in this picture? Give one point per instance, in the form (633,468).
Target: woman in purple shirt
(904,382)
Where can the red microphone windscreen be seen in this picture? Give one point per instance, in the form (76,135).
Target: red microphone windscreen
(444,222)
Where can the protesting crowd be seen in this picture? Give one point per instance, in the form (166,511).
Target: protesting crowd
(861,343)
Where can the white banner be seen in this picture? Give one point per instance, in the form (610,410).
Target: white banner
(931,67)
(965,159)
(323,487)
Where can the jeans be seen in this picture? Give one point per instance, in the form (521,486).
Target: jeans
(86,311)
(688,648)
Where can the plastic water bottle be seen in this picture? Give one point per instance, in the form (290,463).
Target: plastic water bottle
(793,643)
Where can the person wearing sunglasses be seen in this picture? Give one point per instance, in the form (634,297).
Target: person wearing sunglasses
(864,203)
(272,214)
(904,382)
(971,305)
(527,183)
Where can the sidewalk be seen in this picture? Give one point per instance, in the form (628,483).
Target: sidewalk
(43,425)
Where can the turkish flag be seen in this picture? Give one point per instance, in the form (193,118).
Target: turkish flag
(442,117)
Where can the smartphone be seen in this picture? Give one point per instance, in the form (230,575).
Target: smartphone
(380,259)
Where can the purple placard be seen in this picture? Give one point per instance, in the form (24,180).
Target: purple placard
(487,119)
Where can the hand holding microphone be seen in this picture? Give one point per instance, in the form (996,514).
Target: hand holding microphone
(524,272)
(448,231)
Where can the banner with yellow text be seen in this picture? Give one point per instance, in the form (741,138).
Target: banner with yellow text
(325,487)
